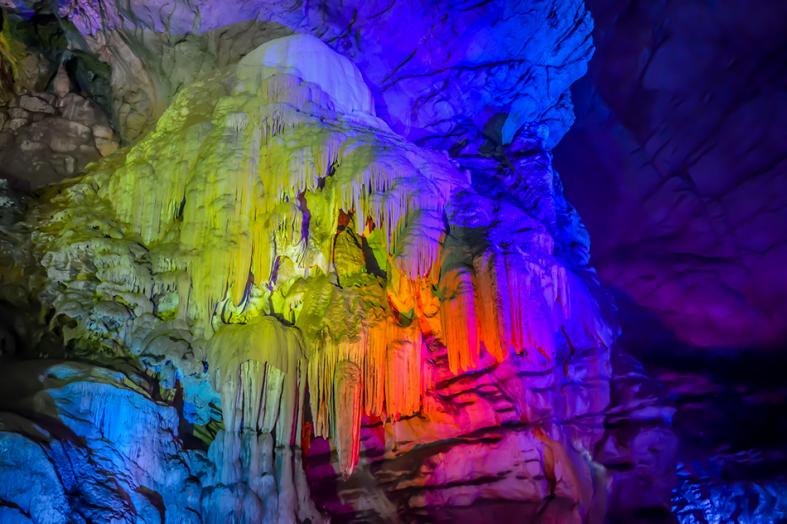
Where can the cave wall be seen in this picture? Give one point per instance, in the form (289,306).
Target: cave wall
(677,161)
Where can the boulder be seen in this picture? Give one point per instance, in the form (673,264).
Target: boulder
(36,104)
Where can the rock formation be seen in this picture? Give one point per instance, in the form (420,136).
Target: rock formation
(303,247)
(308,263)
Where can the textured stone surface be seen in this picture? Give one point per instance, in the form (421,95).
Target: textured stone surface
(38,495)
(97,436)
(580,442)
(731,424)
(677,163)
(540,273)
(478,73)
(47,138)
(503,436)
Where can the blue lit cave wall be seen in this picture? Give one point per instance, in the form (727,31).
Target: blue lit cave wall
(268,261)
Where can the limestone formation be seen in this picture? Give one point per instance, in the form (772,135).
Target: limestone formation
(312,262)
(323,268)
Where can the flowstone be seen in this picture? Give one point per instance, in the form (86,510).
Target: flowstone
(274,251)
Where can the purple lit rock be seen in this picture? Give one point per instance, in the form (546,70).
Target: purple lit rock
(677,164)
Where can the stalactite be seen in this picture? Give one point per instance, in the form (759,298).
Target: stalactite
(459,324)
(222,189)
(487,307)
(404,374)
(525,316)
(506,303)
(390,373)
(374,393)
(235,199)
(347,386)
(259,370)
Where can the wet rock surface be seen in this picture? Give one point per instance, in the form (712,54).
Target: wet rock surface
(730,421)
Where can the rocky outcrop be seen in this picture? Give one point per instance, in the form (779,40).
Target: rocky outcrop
(589,440)
(45,138)
(94,445)
(507,435)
